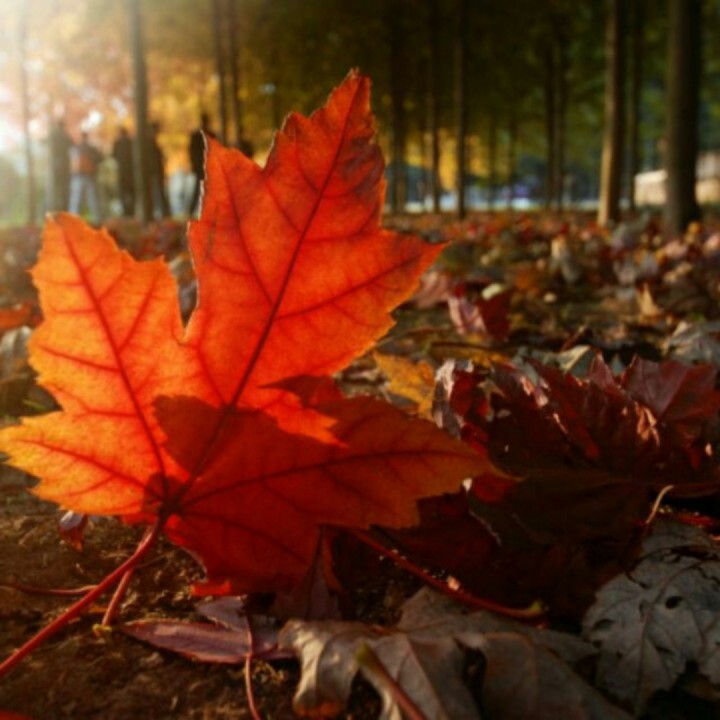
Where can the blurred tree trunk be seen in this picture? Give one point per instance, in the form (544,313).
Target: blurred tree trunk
(556,94)
(511,159)
(461,102)
(562,91)
(220,68)
(25,98)
(550,90)
(425,181)
(140,147)
(492,160)
(613,134)
(234,63)
(398,186)
(634,117)
(683,108)
(434,104)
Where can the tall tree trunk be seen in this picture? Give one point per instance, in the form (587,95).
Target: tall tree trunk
(398,188)
(424,183)
(140,147)
(550,89)
(636,80)
(492,160)
(220,68)
(682,119)
(511,159)
(613,134)
(25,98)
(434,104)
(563,64)
(461,103)
(236,107)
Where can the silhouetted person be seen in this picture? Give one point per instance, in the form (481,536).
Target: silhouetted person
(59,146)
(156,172)
(84,161)
(122,151)
(196,150)
(244,145)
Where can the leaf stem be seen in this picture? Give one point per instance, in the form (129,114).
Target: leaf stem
(35,590)
(656,506)
(249,691)
(532,613)
(117,597)
(371,665)
(73,611)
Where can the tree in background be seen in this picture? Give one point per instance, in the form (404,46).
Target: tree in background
(26,112)
(218,17)
(614,133)
(434,61)
(398,70)
(683,107)
(461,102)
(637,51)
(533,84)
(140,149)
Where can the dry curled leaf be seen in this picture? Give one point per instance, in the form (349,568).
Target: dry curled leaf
(528,672)
(653,622)
(206,643)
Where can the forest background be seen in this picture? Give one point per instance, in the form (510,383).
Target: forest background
(535,89)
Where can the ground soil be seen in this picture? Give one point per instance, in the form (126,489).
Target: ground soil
(80,675)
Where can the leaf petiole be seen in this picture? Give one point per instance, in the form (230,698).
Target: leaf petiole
(117,597)
(533,613)
(34,590)
(371,665)
(73,611)
(252,705)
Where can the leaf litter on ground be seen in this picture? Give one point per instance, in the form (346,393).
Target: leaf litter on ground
(588,292)
(527,671)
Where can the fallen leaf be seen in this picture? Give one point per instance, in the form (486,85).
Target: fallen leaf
(527,673)
(695,342)
(488,317)
(525,680)
(229,611)
(210,430)
(576,466)
(647,306)
(412,380)
(679,395)
(590,454)
(651,623)
(206,643)
(435,288)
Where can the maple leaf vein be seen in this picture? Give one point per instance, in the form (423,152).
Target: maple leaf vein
(115,352)
(252,531)
(272,315)
(370,282)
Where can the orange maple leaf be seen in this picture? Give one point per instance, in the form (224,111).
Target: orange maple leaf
(229,434)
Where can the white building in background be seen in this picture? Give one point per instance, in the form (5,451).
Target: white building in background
(650,186)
